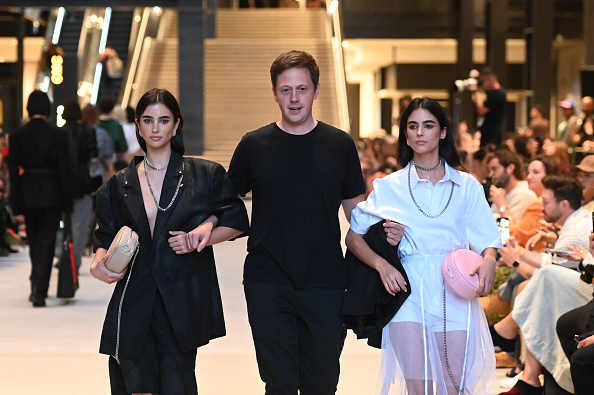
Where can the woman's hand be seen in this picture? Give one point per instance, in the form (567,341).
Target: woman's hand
(534,240)
(179,242)
(510,252)
(486,272)
(102,273)
(391,278)
(578,253)
(394,232)
(198,238)
(586,342)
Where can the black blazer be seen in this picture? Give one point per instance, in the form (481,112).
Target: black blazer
(188,282)
(367,306)
(39,168)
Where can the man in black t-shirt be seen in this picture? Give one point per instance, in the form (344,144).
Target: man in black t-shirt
(300,171)
(492,110)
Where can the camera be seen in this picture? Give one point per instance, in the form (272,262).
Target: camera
(465,84)
(587,273)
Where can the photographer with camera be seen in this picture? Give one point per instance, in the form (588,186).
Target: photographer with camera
(490,110)
(575,330)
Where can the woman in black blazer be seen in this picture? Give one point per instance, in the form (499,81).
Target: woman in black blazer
(179,207)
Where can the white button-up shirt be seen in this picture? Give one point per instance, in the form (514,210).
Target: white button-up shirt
(467,221)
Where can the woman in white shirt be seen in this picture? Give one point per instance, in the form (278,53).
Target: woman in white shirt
(440,209)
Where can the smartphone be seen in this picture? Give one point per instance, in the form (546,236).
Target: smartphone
(554,251)
(579,338)
(503,225)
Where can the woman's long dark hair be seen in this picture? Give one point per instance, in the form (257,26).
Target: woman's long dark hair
(164,97)
(447,146)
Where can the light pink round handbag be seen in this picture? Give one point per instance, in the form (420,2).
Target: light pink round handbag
(456,268)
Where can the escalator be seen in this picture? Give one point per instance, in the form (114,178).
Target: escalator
(118,38)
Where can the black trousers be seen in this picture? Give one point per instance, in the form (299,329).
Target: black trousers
(298,337)
(42,226)
(163,367)
(576,322)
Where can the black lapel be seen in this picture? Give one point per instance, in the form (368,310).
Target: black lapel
(172,177)
(132,196)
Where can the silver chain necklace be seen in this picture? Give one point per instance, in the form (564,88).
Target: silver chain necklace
(417,204)
(179,185)
(146,161)
(427,168)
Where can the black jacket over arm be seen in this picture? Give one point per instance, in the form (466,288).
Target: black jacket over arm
(186,282)
(367,306)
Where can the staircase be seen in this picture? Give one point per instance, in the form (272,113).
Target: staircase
(238,91)
(70,33)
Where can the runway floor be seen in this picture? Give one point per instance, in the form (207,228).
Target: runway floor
(54,350)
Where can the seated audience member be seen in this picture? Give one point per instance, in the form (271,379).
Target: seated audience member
(479,167)
(522,229)
(539,125)
(553,289)
(585,175)
(576,334)
(509,193)
(527,147)
(558,150)
(576,330)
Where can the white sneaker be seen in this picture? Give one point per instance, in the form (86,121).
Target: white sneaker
(510,382)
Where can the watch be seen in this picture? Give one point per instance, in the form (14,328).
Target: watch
(502,208)
(515,264)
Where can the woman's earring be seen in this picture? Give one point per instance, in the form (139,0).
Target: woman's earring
(174,132)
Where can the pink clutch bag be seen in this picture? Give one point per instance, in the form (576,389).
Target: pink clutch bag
(455,269)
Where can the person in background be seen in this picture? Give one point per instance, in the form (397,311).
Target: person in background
(83,150)
(126,118)
(567,128)
(300,171)
(539,125)
(105,105)
(40,176)
(100,169)
(8,228)
(509,192)
(491,111)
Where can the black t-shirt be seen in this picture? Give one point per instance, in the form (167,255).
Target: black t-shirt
(297,184)
(491,129)
(581,132)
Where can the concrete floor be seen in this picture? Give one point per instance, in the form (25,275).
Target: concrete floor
(54,350)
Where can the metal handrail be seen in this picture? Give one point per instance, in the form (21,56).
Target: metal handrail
(339,74)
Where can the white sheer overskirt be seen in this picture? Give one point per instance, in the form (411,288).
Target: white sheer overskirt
(413,359)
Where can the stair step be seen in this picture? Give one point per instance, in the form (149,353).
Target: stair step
(237,89)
